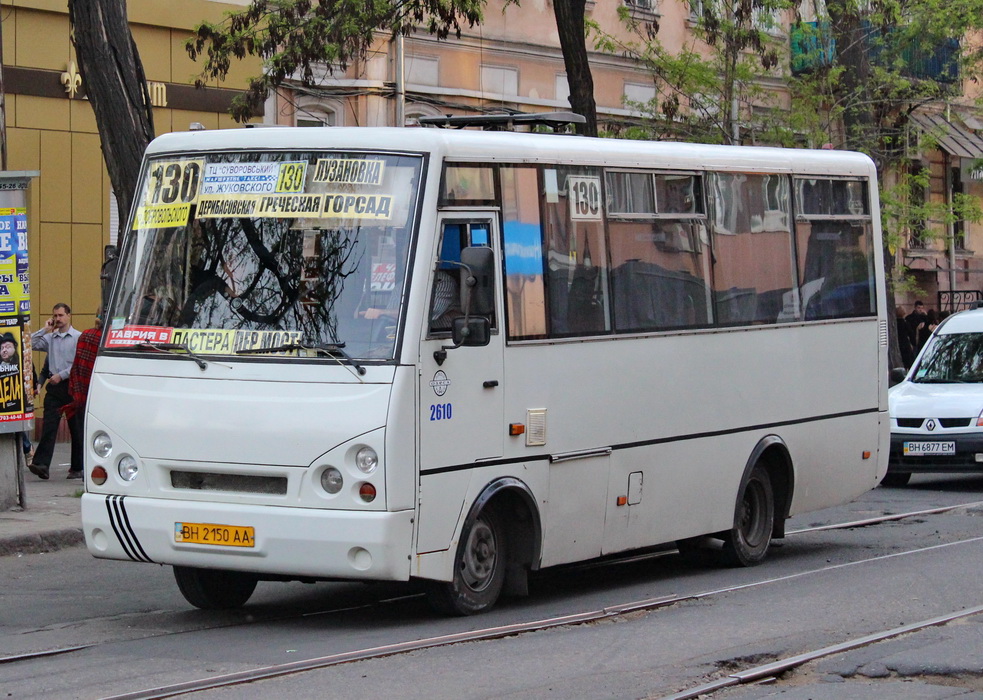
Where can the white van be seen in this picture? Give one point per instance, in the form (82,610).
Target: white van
(937,411)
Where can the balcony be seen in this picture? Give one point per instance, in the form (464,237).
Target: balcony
(813,46)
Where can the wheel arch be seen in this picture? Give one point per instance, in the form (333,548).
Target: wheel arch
(522,518)
(772,452)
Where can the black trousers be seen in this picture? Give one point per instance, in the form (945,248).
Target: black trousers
(55,397)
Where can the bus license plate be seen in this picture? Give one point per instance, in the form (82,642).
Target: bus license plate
(921,449)
(210,533)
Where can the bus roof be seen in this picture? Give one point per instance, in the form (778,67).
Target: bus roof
(511,147)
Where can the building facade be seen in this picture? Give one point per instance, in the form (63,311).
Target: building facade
(51,128)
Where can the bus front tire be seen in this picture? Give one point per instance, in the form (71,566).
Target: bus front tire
(896,479)
(479,569)
(209,589)
(746,544)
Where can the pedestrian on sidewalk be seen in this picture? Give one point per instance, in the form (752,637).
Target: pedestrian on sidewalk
(79,377)
(58,339)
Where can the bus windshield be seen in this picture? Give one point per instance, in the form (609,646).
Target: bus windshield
(263,253)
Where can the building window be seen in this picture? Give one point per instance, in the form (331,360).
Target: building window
(765,20)
(918,234)
(312,112)
(422,70)
(958,226)
(415,110)
(638,96)
(500,80)
(562,89)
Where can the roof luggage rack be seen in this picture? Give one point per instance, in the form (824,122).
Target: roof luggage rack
(557,121)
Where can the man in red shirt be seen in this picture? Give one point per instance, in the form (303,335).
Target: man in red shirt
(78,379)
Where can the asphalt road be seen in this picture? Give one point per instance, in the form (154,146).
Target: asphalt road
(817,588)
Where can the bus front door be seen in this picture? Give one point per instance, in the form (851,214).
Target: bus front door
(461,395)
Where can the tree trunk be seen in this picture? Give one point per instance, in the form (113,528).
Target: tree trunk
(860,121)
(116,86)
(852,54)
(569,16)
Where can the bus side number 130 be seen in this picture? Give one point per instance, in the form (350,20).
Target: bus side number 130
(585,197)
(440,411)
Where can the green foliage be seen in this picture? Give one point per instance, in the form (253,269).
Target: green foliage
(729,50)
(297,38)
(875,62)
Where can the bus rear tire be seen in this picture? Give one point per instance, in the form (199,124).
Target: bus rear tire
(209,589)
(479,569)
(746,544)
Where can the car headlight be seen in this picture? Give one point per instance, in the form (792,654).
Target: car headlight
(128,468)
(102,444)
(366,460)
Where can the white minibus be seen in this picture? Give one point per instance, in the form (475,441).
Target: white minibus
(460,356)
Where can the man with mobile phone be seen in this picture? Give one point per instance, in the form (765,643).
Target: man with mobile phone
(58,339)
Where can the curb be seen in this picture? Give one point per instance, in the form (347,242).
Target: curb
(50,541)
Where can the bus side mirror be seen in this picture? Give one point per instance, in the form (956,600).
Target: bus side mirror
(478,281)
(474,331)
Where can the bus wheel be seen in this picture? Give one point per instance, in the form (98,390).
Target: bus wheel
(214,590)
(747,542)
(896,479)
(479,569)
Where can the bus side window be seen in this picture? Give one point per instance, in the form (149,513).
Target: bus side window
(445,298)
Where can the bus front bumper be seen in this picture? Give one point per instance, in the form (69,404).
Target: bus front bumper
(281,541)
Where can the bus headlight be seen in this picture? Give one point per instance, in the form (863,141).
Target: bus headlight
(102,445)
(366,460)
(127,468)
(331,480)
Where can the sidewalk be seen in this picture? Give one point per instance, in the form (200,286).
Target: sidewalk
(52,518)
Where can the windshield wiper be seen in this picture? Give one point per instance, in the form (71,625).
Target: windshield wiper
(164,347)
(329,349)
(940,380)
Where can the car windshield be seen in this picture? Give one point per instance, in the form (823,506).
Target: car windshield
(266,254)
(956,358)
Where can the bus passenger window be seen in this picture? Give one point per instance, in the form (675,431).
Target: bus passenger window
(752,247)
(525,293)
(576,251)
(835,248)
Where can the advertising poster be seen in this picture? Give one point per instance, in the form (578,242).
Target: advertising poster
(16,384)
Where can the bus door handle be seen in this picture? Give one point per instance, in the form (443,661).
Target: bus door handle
(490,383)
